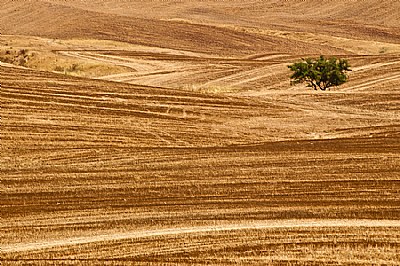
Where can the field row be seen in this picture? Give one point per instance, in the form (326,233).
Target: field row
(229,244)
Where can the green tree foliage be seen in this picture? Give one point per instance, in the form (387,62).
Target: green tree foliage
(320,73)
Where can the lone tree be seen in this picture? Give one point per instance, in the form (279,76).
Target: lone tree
(320,73)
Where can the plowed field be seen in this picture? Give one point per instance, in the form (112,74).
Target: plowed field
(196,149)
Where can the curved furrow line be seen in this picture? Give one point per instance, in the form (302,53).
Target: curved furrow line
(275,224)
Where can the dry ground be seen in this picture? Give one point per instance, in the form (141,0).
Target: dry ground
(178,138)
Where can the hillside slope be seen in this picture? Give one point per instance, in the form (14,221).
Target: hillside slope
(368,19)
(117,173)
(64,22)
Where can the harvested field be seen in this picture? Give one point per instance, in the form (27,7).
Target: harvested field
(192,147)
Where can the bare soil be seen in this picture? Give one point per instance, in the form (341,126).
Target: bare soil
(179,139)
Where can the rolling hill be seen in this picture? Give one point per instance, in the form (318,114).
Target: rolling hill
(167,132)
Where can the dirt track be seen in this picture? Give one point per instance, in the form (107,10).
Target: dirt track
(274,224)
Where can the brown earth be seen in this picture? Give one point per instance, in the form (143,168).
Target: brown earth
(194,148)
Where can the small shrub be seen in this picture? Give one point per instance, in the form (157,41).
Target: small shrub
(23,52)
(59,69)
(19,58)
(74,67)
(22,61)
(383,50)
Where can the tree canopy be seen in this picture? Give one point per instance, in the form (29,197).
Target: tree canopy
(320,73)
